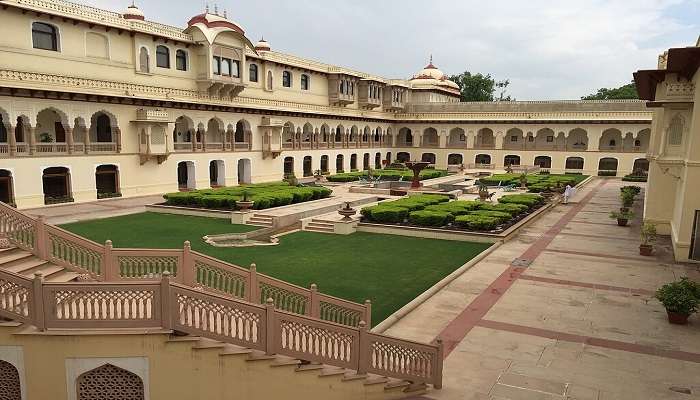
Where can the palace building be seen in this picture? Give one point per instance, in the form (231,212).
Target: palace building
(96,104)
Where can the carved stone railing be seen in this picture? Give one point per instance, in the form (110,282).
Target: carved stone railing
(104,263)
(174,306)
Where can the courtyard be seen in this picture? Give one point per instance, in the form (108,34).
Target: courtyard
(389,270)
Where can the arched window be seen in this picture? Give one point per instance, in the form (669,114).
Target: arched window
(253,73)
(109,382)
(44,36)
(216,65)
(144,60)
(10,387)
(235,69)
(162,57)
(103,129)
(226,67)
(181,60)
(287,79)
(304,82)
(3,131)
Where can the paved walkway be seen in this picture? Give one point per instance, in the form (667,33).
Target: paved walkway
(63,214)
(563,311)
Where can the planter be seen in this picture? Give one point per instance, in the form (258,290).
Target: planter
(677,318)
(646,249)
(622,222)
(244,205)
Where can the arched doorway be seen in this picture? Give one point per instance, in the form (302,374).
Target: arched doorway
(574,163)
(288,166)
(607,166)
(405,137)
(107,181)
(403,157)
(641,166)
(6,187)
(56,183)
(388,158)
(428,157)
(378,161)
(339,163)
(511,159)
(482,159)
(244,171)
(308,170)
(365,162)
(324,164)
(217,173)
(103,128)
(185,176)
(353,162)
(543,161)
(109,382)
(455,159)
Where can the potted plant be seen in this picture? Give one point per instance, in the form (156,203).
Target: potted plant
(245,203)
(648,236)
(318,175)
(627,198)
(483,192)
(621,217)
(680,298)
(523,181)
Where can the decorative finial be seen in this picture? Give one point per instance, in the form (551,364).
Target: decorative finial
(225,14)
(206,8)
(431,58)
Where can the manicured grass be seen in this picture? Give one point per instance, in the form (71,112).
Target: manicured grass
(390,270)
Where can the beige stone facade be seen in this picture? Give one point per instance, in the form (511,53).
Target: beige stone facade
(152,108)
(673,202)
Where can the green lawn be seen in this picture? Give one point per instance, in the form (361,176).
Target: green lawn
(390,270)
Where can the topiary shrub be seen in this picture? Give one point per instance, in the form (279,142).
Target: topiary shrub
(498,215)
(430,218)
(476,222)
(530,200)
(511,208)
(459,207)
(386,214)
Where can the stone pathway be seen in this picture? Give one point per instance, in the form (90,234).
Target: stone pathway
(63,214)
(578,322)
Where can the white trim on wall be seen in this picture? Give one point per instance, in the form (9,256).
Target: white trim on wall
(78,366)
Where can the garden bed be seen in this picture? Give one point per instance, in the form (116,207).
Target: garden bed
(536,183)
(387,175)
(263,196)
(437,212)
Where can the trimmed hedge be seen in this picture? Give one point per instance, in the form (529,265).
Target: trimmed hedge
(498,215)
(511,208)
(535,183)
(385,213)
(459,207)
(527,199)
(476,222)
(634,178)
(265,195)
(387,175)
(430,218)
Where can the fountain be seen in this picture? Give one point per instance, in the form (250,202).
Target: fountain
(416,167)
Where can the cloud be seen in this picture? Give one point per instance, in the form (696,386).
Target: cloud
(548,49)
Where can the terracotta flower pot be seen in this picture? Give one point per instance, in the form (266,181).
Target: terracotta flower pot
(244,205)
(646,249)
(621,222)
(677,318)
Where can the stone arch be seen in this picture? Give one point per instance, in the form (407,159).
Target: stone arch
(577,140)
(339,167)
(513,139)
(365,162)
(244,171)
(485,139)
(5,124)
(186,178)
(457,138)
(387,160)
(183,131)
(324,164)
(7,192)
(325,133)
(405,137)
(428,157)
(56,182)
(545,138)
(482,159)
(102,127)
(366,134)
(611,139)
(288,133)
(108,381)
(242,133)
(339,133)
(378,161)
(377,134)
(642,140)
(353,162)
(455,159)
(307,164)
(51,125)
(107,181)
(354,132)
(640,166)
(403,156)
(217,173)
(288,166)
(544,162)
(574,163)
(215,129)
(511,159)
(430,137)
(22,125)
(307,133)
(10,384)
(607,166)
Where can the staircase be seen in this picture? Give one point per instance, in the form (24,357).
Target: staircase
(317,225)
(27,264)
(260,220)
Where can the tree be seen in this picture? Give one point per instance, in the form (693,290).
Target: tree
(479,87)
(628,91)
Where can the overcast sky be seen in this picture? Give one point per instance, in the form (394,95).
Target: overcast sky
(548,49)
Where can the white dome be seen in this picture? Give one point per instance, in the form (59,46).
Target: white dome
(262,45)
(431,75)
(133,12)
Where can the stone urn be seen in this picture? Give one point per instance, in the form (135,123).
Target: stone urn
(347,212)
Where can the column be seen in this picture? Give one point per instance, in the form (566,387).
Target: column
(69,139)
(86,141)
(11,139)
(118,138)
(470,140)
(32,139)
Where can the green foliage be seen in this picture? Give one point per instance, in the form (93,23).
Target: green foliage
(264,195)
(634,178)
(387,175)
(627,198)
(648,233)
(535,183)
(635,190)
(681,297)
(526,199)
(479,87)
(607,173)
(460,207)
(498,215)
(477,222)
(628,215)
(430,218)
(511,208)
(628,91)
(385,213)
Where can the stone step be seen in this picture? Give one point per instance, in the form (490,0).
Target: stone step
(46,270)
(319,225)
(13,255)
(63,276)
(21,265)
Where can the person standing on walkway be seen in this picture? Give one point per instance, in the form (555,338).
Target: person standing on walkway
(568,193)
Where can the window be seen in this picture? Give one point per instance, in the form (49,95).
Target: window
(144,60)
(675,131)
(96,45)
(550,139)
(253,73)
(235,69)
(530,138)
(225,67)
(44,36)
(162,57)
(342,87)
(612,143)
(181,60)
(513,138)
(287,79)
(216,65)
(304,82)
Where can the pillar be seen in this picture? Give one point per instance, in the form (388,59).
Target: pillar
(32,139)
(86,141)
(11,139)
(69,139)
